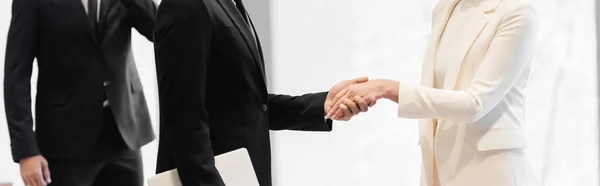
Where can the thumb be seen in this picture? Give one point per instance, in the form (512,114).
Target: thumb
(360,80)
(46,172)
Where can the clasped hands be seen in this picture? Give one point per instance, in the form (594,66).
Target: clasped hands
(351,97)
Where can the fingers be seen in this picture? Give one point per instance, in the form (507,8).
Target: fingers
(46,172)
(32,181)
(371,99)
(344,118)
(327,106)
(332,105)
(361,103)
(352,106)
(345,110)
(339,96)
(34,171)
(372,102)
(349,108)
(336,102)
(338,114)
(360,80)
(333,111)
(336,108)
(26,180)
(39,179)
(32,178)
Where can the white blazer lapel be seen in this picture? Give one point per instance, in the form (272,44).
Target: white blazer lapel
(439,24)
(478,21)
(426,126)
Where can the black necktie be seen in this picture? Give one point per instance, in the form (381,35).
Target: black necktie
(93,15)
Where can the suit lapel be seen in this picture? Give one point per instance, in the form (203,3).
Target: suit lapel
(439,25)
(105,6)
(428,126)
(81,17)
(244,29)
(261,63)
(478,21)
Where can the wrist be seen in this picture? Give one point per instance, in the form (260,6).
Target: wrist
(390,90)
(28,158)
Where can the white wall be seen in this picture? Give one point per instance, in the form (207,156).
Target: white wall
(318,43)
(562,120)
(144,55)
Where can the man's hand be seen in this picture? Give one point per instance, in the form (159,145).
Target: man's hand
(352,107)
(34,171)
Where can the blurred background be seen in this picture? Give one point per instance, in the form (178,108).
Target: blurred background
(312,44)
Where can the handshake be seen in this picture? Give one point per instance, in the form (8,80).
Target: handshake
(351,97)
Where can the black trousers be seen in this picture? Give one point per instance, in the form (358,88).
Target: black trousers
(113,164)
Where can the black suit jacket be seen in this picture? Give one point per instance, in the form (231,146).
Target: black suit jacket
(213,97)
(73,65)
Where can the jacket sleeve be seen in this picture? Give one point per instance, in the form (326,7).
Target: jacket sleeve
(21,49)
(305,113)
(141,15)
(182,46)
(507,58)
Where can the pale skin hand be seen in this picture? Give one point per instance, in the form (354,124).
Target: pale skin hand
(352,108)
(372,90)
(34,171)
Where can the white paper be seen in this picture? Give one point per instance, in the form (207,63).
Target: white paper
(235,168)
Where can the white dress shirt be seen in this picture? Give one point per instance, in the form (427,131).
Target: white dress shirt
(85,5)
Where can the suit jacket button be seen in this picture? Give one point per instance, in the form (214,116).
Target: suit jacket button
(263,107)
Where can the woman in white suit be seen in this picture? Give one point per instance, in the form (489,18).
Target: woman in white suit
(471,103)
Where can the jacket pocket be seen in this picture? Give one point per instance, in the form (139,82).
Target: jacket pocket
(502,139)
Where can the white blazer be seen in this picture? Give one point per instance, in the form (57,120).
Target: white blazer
(481,108)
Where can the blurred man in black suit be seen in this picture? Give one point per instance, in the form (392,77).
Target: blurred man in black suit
(213,96)
(91,114)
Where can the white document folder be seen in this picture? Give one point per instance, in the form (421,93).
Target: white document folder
(235,168)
